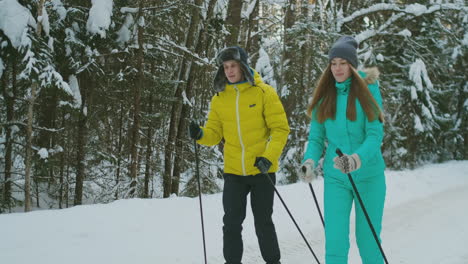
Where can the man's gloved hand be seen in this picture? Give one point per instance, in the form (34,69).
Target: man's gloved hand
(263,164)
(195,131)
(307,171)
(347,163)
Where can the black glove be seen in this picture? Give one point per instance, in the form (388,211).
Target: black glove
(263,164)
(195,131)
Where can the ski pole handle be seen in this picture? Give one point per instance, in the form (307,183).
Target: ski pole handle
(338,151)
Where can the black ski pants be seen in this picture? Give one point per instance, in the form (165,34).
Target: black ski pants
(236,189)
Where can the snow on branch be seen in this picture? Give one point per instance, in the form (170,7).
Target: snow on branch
(248,12)
(372,32)
(49,76)
(1,67)
(202,61)
(159,9)
(14,21)
(413,9)
(99,18)
(369,10)
(418,74)
(132,10)
(58,7)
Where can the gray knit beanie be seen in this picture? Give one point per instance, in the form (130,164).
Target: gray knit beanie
(345,48)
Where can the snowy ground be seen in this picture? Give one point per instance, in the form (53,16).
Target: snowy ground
(425,222)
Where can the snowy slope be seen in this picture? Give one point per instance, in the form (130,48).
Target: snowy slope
(425,221)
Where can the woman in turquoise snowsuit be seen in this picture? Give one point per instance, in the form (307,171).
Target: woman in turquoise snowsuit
(346,114)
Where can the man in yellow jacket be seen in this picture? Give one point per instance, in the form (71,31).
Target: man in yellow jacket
(249,115)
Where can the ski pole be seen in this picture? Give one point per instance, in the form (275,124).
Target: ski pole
(340,154)
(199,196)
(316,203)
(292,218)
(304,170)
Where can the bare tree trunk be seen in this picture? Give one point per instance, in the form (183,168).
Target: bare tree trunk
(62,164)
(36,185)
(136,107)
(31,101)
(85,89)
(233,21)
(177,105)
(119,153)
(169,149)
(289,75)
(182,127)
(67,177)
(209,13)
(61,179)
(148,151)
(253,38)
(9,101)
(28,159)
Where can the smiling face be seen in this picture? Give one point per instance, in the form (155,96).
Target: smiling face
(233,71)
(340,69)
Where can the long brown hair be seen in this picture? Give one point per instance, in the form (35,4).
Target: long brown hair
(324,97)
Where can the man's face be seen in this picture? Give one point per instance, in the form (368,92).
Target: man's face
(233,71)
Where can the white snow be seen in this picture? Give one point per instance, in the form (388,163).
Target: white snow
(50,43)
(2,67)
(133,10)
(14,21)
(248,11)
(405,33)
(369,10)
(49,75)
(75,88)
(264,68)
(401,151)
(418,126)
(457,51)
(43,153)
(186,100)
(418,73)
(426,112)
(99,18)
(44,20)
(425,221)
(414,94)
(57,5)
(125,33)
(416,9)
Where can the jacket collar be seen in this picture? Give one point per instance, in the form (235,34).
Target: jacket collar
(343,87)
(241,86)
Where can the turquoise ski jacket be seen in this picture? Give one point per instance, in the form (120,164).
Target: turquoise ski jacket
(360,136)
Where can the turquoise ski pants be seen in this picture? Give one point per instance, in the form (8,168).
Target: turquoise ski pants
(338,201)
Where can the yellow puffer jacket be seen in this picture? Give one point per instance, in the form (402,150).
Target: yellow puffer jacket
(253,123)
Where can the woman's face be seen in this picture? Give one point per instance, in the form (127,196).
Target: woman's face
(233,71)
(341,69)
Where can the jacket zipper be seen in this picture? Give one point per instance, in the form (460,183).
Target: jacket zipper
(239,130)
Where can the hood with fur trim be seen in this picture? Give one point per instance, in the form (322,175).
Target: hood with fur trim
(371,75)
(231,53)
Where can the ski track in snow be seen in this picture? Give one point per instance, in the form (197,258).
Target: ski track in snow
(401,235)
(410,229)
(425,222)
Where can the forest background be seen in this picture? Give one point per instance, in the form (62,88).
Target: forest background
(95,96)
